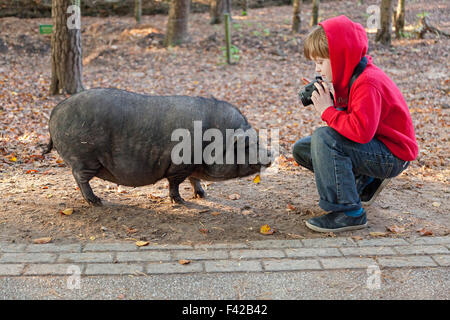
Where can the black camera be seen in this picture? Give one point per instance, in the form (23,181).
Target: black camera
(306,93)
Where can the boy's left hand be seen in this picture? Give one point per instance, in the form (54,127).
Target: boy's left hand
(321,98)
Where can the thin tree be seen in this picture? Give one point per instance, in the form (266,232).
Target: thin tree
(67,65)
(138,10)
(177,25)
(216,11)
(399,18)
(315,13)
(296,18)
(384,31)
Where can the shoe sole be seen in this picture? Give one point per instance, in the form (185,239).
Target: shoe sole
(375,195)
(349,228)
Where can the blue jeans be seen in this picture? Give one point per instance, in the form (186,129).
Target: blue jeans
(342,166)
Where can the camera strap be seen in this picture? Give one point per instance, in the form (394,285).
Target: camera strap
(358,70)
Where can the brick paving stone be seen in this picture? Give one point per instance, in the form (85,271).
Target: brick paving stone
(222,246)
(143,256)
(347,263)
(200,254)
(11,247)
(249,254)
(432,249)
(51,269)
(432,240)
(328,242)
(174,267)
(51,247)
(110,247)
(276,244)
(166,247)
(409,261)
(11,269)
(86,257)
(442,260)
(291,264)
(113,269)
(313,252)
(385,242)
(367,251)
(233,266)
(27,257)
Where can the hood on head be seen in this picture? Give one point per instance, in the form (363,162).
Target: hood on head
(347,44)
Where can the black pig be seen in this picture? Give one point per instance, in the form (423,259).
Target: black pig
(126,138)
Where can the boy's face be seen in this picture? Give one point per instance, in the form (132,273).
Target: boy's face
(323,67)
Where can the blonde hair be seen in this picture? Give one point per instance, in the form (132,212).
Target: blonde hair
(316,44)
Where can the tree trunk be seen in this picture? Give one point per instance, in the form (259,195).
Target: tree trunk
(400,18)
(216,11)
(67,65)
(315,13)
(177,26)
(138,10)
(296,19)
(384,33)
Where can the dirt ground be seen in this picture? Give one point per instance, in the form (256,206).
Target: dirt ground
(263,85)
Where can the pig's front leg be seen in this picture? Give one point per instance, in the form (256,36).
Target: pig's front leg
(174,193)
(198,190)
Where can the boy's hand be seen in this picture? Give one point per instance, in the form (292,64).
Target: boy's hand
(321,98)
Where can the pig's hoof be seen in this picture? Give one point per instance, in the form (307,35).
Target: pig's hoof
(199,194)
(177,199)
(97,202)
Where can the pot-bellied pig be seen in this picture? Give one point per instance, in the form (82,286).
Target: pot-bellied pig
(130,139)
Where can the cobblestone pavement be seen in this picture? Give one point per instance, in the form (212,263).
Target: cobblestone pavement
(96,259)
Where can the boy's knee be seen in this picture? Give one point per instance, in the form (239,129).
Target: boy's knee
(301,146)
(324,135)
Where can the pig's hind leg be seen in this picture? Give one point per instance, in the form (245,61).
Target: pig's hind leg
(83,173)
(198,190)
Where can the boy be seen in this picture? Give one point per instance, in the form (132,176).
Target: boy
(370,135)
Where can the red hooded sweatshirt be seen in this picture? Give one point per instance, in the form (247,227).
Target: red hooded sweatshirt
(375,106)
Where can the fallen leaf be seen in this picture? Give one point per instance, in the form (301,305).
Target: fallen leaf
(357,238)
(67,212)
(425,232)
(182,261)
(265,229)
(215,213)
(396,229)
(92,238)
(131,230)
(42,240)
(204,231)
(234,196)
(378,234)
(142,243)
(257,179)
(290,207)
(436,204)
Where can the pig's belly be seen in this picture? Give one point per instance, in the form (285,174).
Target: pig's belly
(130,178)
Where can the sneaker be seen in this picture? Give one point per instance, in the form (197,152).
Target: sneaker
(371,191)
(337,221)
